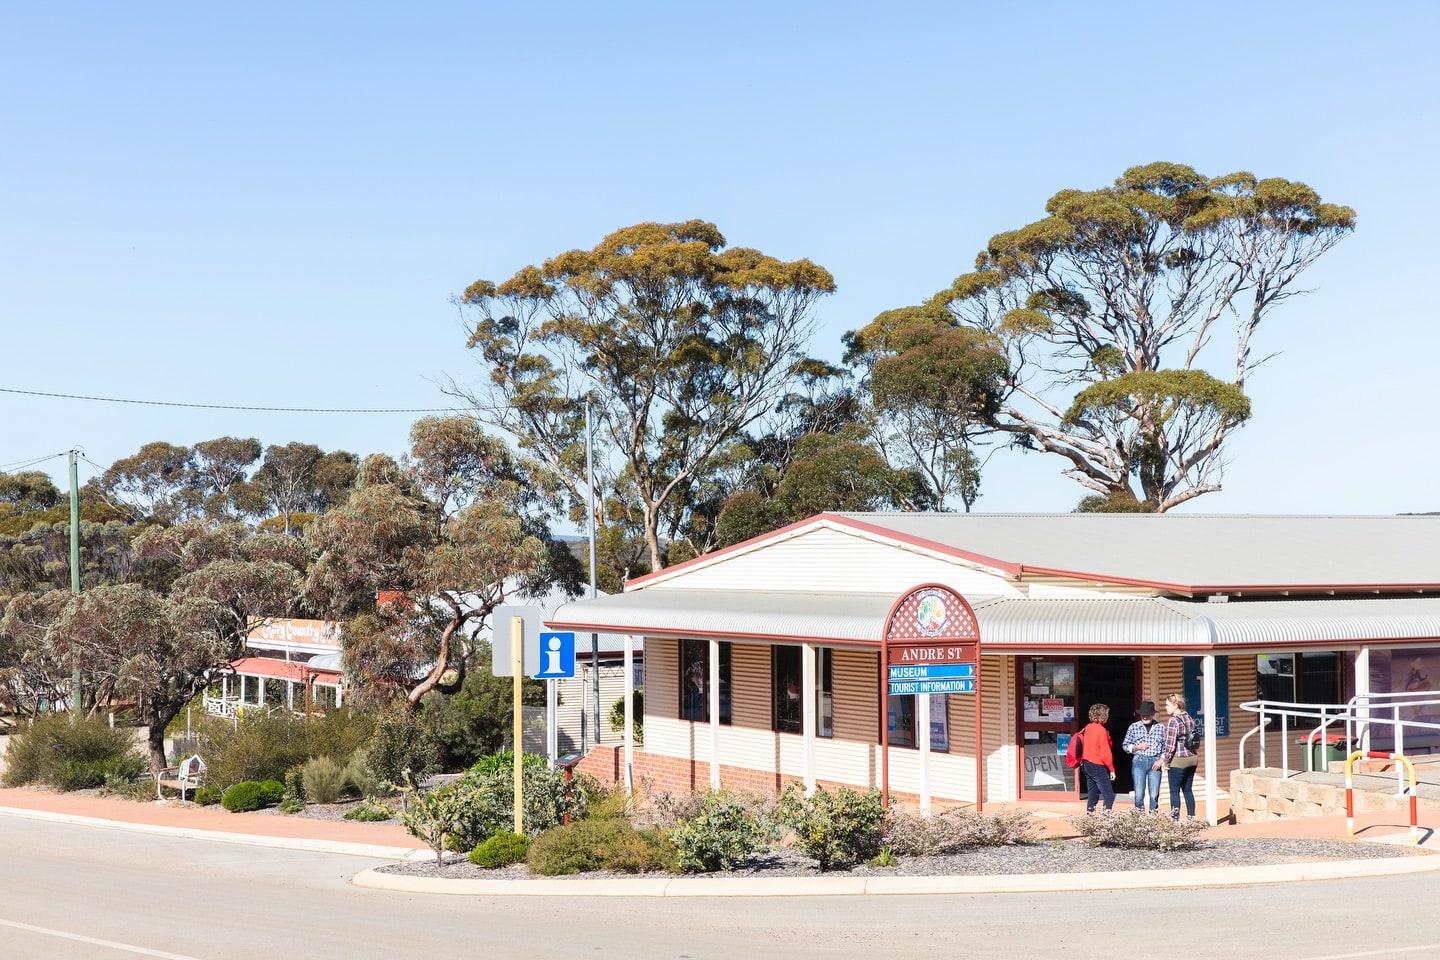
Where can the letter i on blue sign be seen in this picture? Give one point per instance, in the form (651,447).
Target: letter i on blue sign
(557,656)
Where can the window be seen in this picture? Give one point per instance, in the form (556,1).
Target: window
(901,717)
(1315,679)
(787,671)
(695,681)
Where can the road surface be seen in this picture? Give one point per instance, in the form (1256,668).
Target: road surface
(83,892)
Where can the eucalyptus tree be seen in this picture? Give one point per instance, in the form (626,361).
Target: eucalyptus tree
(422,551)
(1109,307)
(680,344)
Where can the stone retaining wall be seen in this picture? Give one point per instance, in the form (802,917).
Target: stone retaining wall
(1258,795)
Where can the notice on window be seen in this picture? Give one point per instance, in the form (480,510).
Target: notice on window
(1032,711)
(1044,767)
(1040,691)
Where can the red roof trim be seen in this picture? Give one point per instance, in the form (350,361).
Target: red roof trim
(278,669)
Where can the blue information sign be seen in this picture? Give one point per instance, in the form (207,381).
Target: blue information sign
(1194,668)
(905,688)
(557,657)
(932,671)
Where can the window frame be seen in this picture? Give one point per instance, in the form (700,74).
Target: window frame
(688,655)
(824,690)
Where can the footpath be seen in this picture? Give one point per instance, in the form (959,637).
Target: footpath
(385,840)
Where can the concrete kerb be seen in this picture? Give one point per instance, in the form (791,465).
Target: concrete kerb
(894,886)
(344,848)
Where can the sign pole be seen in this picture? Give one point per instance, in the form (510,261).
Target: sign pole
(922,723)
(885,716)
(517,658)
(979,736)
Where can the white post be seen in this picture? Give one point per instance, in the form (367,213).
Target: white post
(922,735)
(339,687)
(225,688)
(290,694)
(1212,804)
(261,682)
(808,714)
(1362,698)
(629,713)
(714,714)
(552,718)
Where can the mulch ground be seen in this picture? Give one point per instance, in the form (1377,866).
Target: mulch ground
(1058,856)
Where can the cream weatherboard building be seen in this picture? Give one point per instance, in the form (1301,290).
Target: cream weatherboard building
(762,660)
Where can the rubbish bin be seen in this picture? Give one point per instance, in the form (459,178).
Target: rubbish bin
(1324,750)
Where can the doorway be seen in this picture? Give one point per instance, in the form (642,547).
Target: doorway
(1053,698)
(1115,682)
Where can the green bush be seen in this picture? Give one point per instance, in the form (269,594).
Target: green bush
(252,795)
(322,779)
(501,850)
(617,716)
(207,795)
(606,844)
(71,753)
(369,811)
(294,799)
(435,816)
(359,775)
(1139,830)
(403,743)
(724,832)
(504,762)
(489,800)
(954,830)
(834,828)
(264,744)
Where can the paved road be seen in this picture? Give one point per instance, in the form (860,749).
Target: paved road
(82,892)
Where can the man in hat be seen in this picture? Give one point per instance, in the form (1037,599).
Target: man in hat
(1145,741)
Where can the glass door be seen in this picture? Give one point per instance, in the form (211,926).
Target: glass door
(1046,706)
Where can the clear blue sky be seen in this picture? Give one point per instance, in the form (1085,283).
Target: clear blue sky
(273,203)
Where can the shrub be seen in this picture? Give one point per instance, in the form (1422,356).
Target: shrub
(323,780)
(723,833)
(501,850)
(671,810)
(504,762)
(70,753)
(955,830)
(834,828)
(252,795)
(294,799)
(129,788)
(607,844)
(434,816)
(403,742)
(489,802)
(369,811)
(264,744)
(1138,830)
(617,716)
(207,795)
(359,775)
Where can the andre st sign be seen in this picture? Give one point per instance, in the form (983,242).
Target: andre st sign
(931,645)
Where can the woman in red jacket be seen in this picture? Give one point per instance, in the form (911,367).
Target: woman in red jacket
(1097,759)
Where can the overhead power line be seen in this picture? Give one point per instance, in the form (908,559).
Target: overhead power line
(224,406)
(32,461)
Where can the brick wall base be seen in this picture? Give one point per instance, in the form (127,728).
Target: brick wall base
(656,775)
(1260,795)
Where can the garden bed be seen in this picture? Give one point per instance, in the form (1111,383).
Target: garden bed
(1059,856)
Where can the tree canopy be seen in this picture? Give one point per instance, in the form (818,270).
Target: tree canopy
(679,343)
(1107,307)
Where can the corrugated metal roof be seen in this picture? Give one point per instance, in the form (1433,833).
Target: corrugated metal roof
(1020,623)
(1193,552)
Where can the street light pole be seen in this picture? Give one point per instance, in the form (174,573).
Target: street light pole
(74,571)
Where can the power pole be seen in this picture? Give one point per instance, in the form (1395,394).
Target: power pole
(74,571)
(590,517)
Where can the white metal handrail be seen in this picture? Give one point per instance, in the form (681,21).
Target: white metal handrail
(1357,714)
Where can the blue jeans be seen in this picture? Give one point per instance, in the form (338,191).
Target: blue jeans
(1147,781)
(1182,780)
(1097,785)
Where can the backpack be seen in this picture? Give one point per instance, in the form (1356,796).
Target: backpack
(1074,752)
(1193,737)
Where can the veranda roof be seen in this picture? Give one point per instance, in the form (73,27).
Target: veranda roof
(1016,624)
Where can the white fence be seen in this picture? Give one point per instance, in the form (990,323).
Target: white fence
(1365,716)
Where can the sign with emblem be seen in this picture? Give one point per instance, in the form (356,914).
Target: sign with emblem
(932,626)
